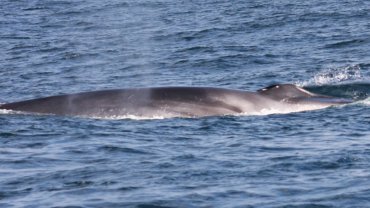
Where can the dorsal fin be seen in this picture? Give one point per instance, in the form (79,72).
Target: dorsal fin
(285,91)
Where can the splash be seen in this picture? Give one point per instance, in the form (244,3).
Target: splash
(3,111)
(118,117)
(348,82)
(262,112)
(365,102)
(351,73)
(130,117)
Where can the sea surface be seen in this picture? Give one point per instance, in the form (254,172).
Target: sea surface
(315,158)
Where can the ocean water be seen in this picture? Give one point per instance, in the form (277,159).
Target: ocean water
(315,158)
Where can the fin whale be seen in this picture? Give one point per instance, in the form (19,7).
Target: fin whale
(169,102)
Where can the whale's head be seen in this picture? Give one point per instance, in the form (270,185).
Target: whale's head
(293,94)
(285,91)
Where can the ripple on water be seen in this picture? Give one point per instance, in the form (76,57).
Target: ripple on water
(124,150)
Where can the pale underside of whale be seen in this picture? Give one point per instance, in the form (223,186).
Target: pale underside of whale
(166,102)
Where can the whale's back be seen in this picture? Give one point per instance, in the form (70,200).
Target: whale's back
(146,102)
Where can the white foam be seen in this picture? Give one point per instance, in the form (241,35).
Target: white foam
(286,109)
(132,117)
(3,111)
(364,102)
(262,112)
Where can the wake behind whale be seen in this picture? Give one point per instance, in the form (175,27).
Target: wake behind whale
(167,102)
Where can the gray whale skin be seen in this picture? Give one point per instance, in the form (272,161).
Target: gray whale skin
(166,102)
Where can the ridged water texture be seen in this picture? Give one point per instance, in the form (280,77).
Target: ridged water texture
(309,159)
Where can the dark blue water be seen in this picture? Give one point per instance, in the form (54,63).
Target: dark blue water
(309,159)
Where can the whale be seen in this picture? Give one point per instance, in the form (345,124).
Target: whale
(167,102)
